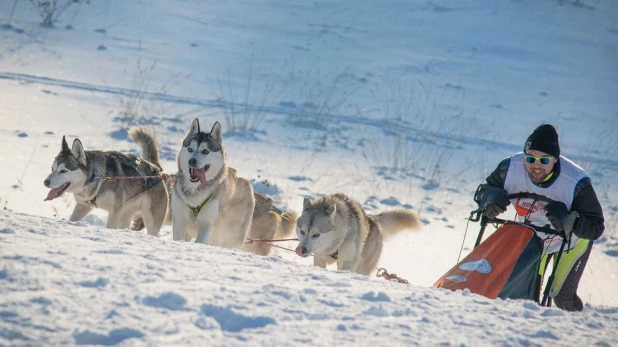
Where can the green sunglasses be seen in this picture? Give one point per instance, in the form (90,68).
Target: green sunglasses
(530,159)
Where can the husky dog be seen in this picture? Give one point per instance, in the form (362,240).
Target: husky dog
(209,202)
(268,223)
(82,173)
(336,228)
(138,221)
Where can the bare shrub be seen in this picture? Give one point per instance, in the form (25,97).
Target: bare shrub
(247,111)
(419,136)
(319,101)
(140,104)
(51,10)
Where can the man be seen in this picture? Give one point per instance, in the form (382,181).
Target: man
(575,210)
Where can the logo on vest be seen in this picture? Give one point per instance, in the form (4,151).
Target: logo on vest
(525,206)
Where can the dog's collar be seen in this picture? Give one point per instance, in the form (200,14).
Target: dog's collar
(95,176)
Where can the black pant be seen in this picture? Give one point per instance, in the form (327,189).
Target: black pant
(567,298)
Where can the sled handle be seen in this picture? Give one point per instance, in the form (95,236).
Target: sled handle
(485,221)
(479,238)
(544,229)
(476,215)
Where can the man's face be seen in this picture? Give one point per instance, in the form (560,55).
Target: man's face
(537,171)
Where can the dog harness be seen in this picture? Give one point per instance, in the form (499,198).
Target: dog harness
(149,181)
(196,210)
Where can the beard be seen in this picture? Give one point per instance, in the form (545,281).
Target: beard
(537,176)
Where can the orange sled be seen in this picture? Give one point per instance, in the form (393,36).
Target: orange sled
(505,265)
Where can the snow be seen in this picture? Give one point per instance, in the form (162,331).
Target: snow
(71,283)
(399,104)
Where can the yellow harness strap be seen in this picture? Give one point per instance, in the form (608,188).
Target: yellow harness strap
(196,210)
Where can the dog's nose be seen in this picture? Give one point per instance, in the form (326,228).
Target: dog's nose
(46,183)
(192,161)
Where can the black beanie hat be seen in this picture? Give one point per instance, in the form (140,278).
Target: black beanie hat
(545,139)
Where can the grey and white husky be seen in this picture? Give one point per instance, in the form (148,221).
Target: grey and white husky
(83,173)
(336,228)
(209,201)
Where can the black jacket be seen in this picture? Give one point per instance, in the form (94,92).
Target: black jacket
(590,224)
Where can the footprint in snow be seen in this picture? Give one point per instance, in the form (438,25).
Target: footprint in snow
(234,322)
(114,337)
(100,282)
(168,300)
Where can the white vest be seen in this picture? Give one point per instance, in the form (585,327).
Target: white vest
(562,189)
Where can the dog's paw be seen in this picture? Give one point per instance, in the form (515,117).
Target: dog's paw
(138,224)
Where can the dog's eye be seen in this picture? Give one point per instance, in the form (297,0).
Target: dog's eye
(302,232)
(189,149)
(63,171)
(205,151)
(316,235)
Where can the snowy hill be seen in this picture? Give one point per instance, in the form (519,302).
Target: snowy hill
(67,283)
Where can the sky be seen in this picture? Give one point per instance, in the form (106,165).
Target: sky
(399,105)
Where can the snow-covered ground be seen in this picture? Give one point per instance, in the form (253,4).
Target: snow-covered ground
(72,284)
(398,104)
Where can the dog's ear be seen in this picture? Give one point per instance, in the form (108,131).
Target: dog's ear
(195,127)
(330,210)
(215,133)
(306,203)
(78,152)
(65,145)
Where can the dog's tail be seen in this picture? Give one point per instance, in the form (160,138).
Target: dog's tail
(396,221)
(150,148)
(287,226)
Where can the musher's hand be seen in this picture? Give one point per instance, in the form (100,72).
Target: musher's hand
(494,201)
(491,211)
(560,217)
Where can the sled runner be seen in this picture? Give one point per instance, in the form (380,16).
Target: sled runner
(508,263)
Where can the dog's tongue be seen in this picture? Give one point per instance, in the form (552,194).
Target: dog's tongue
(52,193)
(199,173)
(299,251)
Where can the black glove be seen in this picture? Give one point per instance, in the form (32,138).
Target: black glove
(494,201)
(560,217)
(492,211)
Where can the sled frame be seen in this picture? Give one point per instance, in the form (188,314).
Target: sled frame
(477,215)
